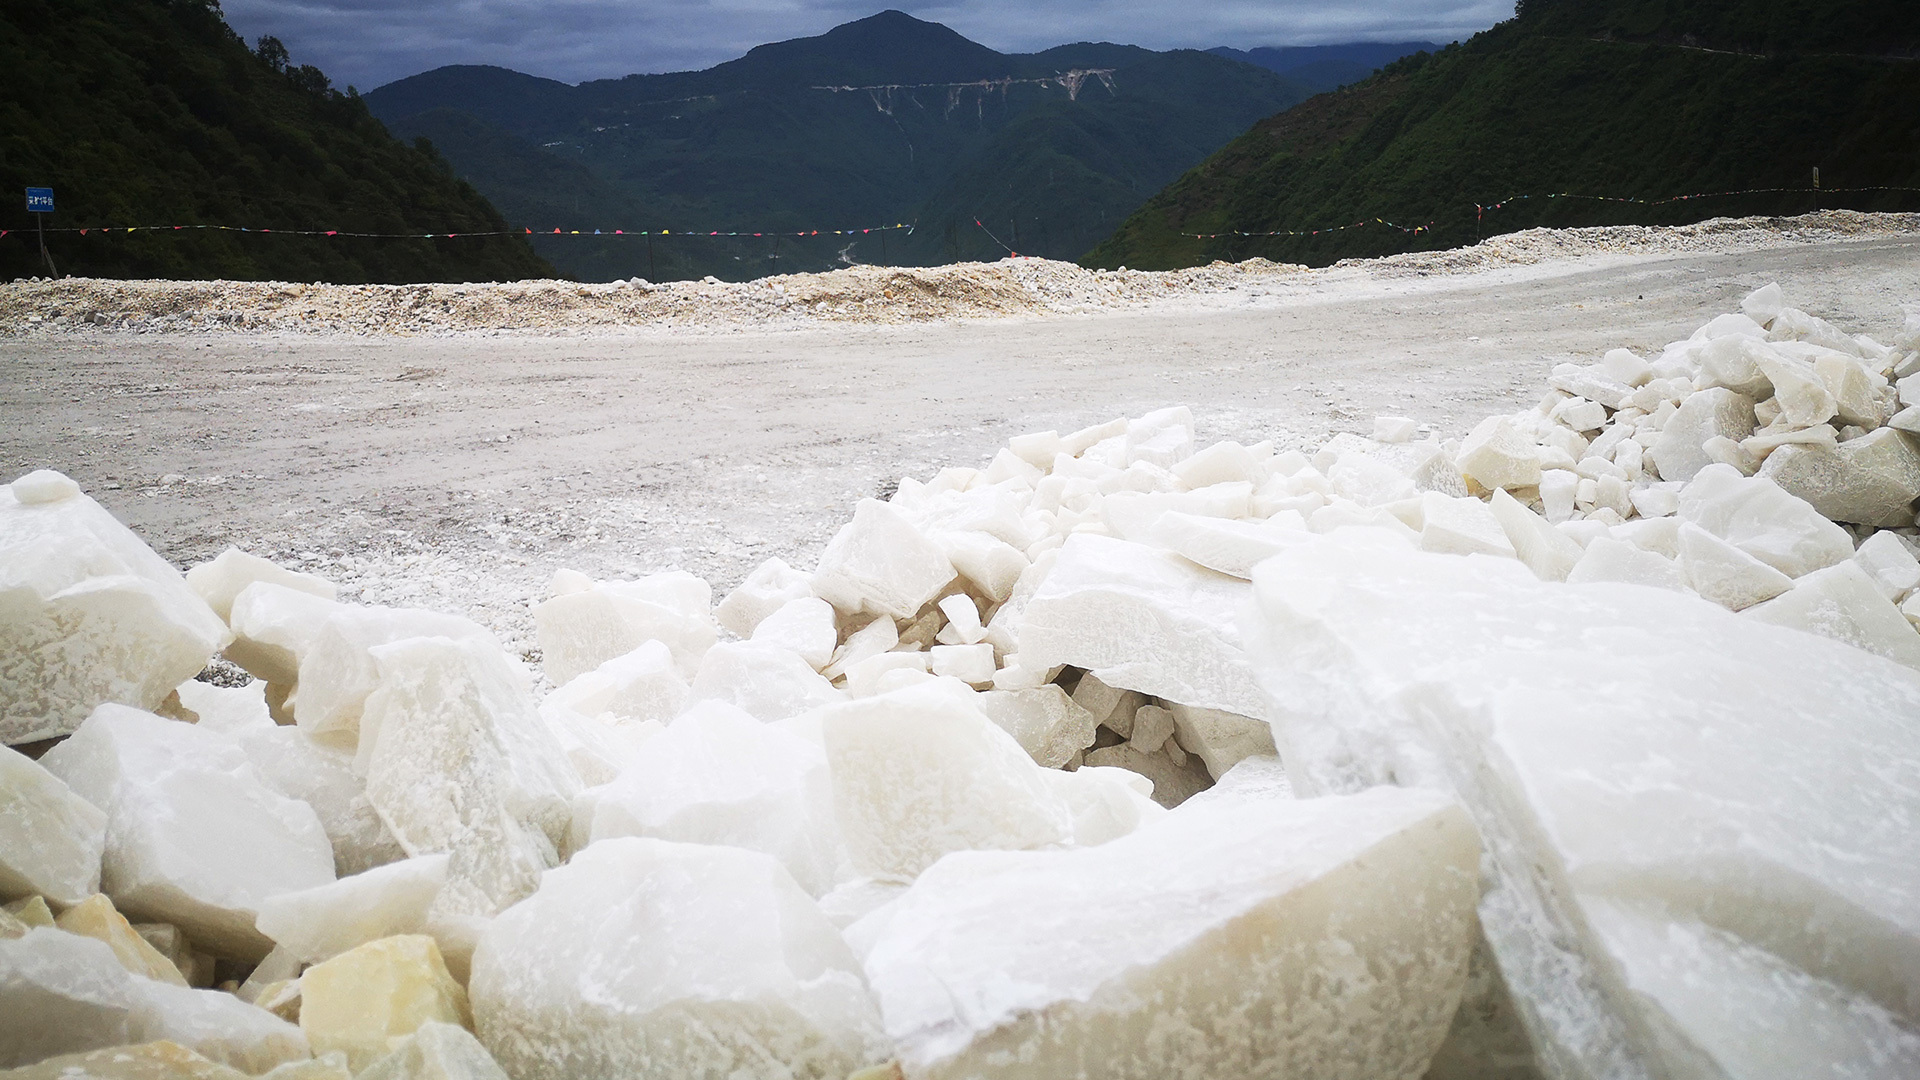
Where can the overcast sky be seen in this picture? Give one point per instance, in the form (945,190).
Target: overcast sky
(369,42)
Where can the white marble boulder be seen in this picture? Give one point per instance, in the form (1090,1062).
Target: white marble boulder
(1241,936)
(1696,850)
(88,613)
(645,957)
(194,836)
(51,840)
(1146,620)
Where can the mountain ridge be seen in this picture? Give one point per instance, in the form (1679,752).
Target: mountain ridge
(847,129)
(1636,101)
(154,113)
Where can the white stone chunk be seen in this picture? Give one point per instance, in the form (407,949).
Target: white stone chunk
(921,772)
(1461,526)
(338,669)
(1907,420)
(879,562)
(1724,779)
(1756,995)
(60,993)
(1267,926)
(1230,547)
(597,747)
(718,776)
(1558,488)
(1622,366)
(805,626)
(1162,438)
(1144,620)
(1221,463)
(1656,500)
(1762,304)
(436,1051)
(1756,516)
(1173,782)
(1221,740)
(968,663)
(1592,382)
(1794,325)
(215,1025)
(1855,390)
(767,681)
(579,631)
(1733,363)
(1106,803)
(963,621)
(1803,399)
(637,686)
(194,836)
(1841,602)
(1394,429)
(649,958)
(1871,480)
(765,591)
(1725,574)
(316,773)
(88,613)
(1370,482)
(1890,562)
(1046,723)
(1710,414)
(1579,414)
(878,674)
(1038,448)
(1498,454)
(322,922)
(219,581)
(1607,559)
(458,761)
(50,839)
(274,628)
(1549,553)
(988,563)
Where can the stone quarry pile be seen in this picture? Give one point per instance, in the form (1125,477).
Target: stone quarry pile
(1584,745)
(1024,287)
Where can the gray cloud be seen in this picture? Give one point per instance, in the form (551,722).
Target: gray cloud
(370,42)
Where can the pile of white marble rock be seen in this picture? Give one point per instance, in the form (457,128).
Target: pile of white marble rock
(1585,746)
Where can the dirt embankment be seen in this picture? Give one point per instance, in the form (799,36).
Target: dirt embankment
(861,294)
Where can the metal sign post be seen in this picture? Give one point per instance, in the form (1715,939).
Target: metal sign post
(40,204)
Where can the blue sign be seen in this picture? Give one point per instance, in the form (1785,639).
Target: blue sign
(40,200)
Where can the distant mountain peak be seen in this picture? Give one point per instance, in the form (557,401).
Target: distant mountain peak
(889,47)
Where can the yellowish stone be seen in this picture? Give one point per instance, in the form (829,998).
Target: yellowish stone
(95,917)
(325,1067)
(147,1061)
(367,999)
(32,910)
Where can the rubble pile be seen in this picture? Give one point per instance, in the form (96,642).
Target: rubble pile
(1584,745)
(861,294)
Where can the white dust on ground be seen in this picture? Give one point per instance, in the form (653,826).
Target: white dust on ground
(457,470)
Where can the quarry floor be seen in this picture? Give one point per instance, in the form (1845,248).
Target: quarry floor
(458,472)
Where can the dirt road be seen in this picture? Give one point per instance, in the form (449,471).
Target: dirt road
(458,472)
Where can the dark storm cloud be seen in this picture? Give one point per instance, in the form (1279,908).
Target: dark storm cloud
(370,42)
